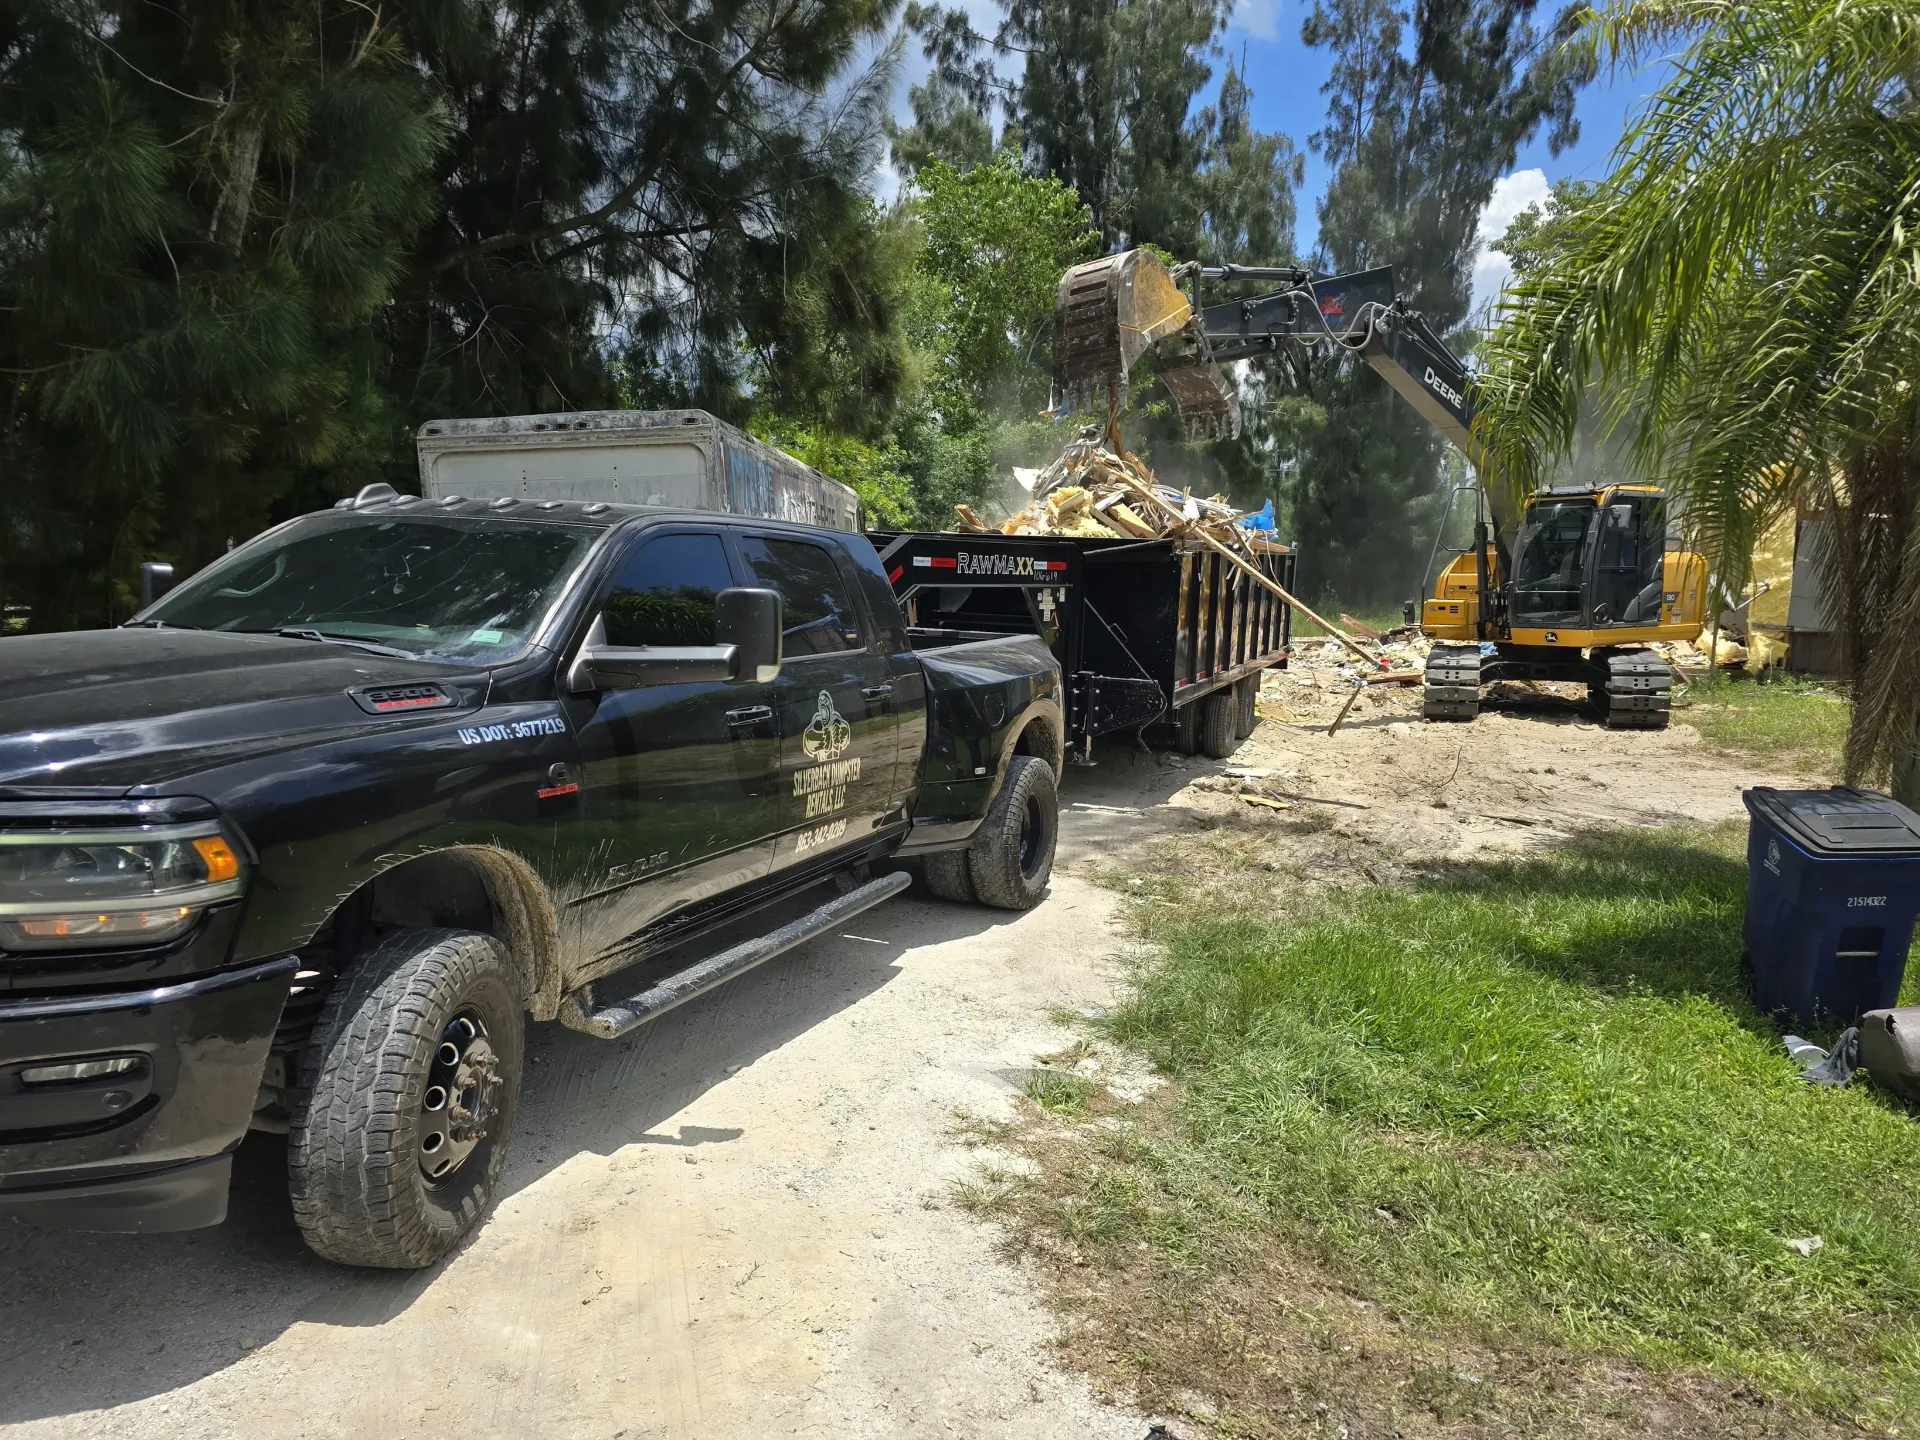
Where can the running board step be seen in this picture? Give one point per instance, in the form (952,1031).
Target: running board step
(613,1021)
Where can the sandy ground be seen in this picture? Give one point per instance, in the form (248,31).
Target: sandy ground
(739,1222)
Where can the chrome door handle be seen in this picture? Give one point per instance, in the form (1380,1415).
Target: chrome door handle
(876,692)
(750,715)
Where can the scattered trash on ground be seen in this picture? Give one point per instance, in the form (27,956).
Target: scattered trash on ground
(1822,1067)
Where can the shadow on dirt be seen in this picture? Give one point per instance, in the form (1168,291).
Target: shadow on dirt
(91,1321)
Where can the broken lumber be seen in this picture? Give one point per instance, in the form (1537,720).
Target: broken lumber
(1148,493)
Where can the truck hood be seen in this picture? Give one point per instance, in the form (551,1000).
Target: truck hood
(109,710)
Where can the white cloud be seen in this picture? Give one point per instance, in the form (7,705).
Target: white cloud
(1258,19)
(1511,194)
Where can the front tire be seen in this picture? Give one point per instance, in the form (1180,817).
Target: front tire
(1011,859)
(398,1140)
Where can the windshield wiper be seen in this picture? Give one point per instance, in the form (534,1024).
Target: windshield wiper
(156,625)
(294,632)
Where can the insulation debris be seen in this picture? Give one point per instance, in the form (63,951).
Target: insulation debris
(1099,490)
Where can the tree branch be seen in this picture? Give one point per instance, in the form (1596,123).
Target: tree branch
(626,194)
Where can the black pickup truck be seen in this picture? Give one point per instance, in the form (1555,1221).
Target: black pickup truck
(302,847)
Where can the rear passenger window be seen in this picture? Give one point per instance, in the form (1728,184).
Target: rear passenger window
(820,613)
(664,592)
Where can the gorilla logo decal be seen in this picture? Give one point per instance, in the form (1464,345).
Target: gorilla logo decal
(826,734)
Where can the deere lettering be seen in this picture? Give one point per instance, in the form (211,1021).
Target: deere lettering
(1444,390)
(825,786)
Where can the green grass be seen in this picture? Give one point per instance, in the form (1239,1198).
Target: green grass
(1381,617)
(1059,1092)
(1526,1101)
(1782,718)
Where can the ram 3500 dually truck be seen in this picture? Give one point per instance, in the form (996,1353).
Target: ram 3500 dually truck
(303,846)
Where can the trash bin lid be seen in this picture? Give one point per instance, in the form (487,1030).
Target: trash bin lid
(1840,821)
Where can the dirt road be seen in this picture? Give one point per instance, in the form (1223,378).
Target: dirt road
(739,1222)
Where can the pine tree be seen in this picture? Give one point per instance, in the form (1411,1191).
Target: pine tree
(1108,101)
(202,210)
(244,253)
(658,204)
(1417,134)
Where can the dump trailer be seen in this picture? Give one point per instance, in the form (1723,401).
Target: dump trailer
(1144,630)
(680,459)
(1570,584)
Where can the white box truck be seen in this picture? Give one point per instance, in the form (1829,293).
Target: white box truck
(685,459)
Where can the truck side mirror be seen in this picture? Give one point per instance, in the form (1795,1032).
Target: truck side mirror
(156,579)
(1620,517)
(600,666)
(746,624)
(751,622)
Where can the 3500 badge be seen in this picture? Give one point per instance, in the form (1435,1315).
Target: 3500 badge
(514,730)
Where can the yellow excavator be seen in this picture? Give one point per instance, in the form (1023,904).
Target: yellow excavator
(1573,587)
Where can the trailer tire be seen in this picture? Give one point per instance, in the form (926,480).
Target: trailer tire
(1249,695)
(1012,857)
(1186,729)
(366,1129)
(948,876)
(1220,711)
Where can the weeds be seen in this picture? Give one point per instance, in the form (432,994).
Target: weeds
(1060,1092)
(1522,1106)
(1780,718)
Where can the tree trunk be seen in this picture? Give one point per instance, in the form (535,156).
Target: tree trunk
(1906,773)
(235,206)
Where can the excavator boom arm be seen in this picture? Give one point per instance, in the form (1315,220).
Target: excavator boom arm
(1115,310)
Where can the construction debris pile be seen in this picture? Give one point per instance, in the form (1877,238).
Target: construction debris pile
(1098,490)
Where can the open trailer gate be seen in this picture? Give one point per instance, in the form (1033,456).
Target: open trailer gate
(1144,630)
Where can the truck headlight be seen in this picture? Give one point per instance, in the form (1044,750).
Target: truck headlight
(122,887)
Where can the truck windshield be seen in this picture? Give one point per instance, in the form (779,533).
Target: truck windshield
(1550,560)
(440,588)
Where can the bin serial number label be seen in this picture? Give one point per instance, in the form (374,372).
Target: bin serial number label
(1858,902)
(514,730)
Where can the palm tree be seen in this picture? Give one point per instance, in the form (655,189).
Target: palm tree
(1745,290)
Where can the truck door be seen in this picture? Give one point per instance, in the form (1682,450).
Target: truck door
(838,728)
(677,781)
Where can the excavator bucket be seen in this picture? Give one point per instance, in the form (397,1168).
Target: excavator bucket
(1206,402)
(1108,313)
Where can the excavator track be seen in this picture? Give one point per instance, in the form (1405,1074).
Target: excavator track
(1637,693)
(1453,682)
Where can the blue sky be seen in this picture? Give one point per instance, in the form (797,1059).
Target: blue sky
(1286,77)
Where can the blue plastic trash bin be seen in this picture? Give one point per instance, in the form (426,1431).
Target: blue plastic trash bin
(1833,886)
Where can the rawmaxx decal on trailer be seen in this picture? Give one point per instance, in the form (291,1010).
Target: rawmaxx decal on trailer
(974,562)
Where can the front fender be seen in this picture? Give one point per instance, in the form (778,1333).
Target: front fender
(326,823)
